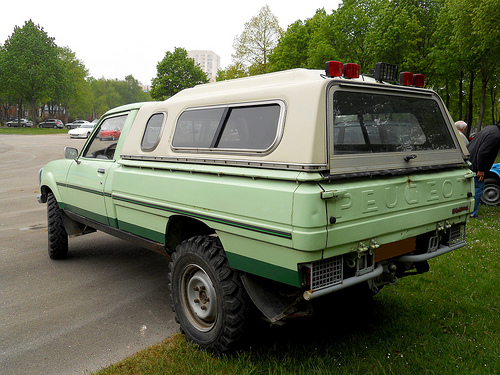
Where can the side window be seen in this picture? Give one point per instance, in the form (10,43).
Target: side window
(103,145)
(251,128)
(152,133)
(197,128)
(242,127)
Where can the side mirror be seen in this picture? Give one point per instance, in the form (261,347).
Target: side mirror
(70,153)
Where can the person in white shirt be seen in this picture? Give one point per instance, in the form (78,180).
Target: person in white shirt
(461,125)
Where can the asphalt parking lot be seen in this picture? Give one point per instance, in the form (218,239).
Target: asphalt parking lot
(108,300)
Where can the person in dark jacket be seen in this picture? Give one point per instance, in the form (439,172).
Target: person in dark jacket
(483,150)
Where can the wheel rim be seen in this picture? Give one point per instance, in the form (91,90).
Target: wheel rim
(491,195)
(198,298)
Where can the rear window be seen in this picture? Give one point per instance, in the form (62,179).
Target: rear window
(252,127)
(377,123)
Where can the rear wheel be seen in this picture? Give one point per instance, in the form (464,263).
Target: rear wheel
(491,193)
(209,300)
(57,235)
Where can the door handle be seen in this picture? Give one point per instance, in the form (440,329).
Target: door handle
(101,170)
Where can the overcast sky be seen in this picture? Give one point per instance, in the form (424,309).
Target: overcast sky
(114,38)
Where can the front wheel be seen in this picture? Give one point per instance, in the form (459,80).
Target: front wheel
(57,235)
(209,299)
(491,193)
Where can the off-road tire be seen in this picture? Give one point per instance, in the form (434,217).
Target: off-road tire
(57,235)
(209,299)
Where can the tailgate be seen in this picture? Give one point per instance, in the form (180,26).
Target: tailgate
(395,208)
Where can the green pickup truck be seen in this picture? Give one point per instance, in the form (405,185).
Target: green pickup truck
(272,191)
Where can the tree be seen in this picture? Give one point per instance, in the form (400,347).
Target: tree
(291,50)
(134,93)
(30,65)
(174,73)
(72,95)
(466,50)
(402,33)
(486,32)
(4,98)
(111,93)
(260,36)
(236,70)
(351,24)
(301,46)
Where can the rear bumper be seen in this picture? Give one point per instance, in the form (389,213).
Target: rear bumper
(416,258)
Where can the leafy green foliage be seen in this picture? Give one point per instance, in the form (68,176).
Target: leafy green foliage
(236,70)
(111,93)
(351,25)
(303,44)
(72,89)
(30,65)
(35,70)
(176,72)
(452,42)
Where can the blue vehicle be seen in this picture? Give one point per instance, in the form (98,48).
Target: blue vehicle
(491,194)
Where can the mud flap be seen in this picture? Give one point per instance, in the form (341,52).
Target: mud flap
(74,228)
(275,300)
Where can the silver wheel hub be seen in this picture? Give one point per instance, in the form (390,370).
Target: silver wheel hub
(199,298)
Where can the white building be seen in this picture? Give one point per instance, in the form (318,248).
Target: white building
(208,61)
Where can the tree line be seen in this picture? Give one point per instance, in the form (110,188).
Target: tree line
(454,43)
(49,81)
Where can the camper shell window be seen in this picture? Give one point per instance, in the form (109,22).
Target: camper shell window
(251,127)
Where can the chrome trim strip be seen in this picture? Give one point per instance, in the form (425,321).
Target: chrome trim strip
(229,162)
(415,258)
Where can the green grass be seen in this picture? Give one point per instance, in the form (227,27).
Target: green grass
(446,321)
(31,131)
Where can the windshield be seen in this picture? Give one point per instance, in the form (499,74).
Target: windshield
(378,123)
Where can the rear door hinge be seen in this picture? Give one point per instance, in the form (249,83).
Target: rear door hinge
(328,194)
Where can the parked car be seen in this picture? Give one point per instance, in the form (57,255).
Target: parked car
(51,123)
(270,191)
(82,132)
(24,123)
(491,194)
(110,134)
(76,124)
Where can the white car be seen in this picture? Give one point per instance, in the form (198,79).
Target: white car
(77,124)
(82,132)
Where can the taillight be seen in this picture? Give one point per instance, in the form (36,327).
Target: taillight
(419,80)
(410,79)
(337,69)
(334,69)
(307,275)
(351,70)
(406,78)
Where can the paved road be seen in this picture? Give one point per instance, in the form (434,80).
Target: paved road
(107,301)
